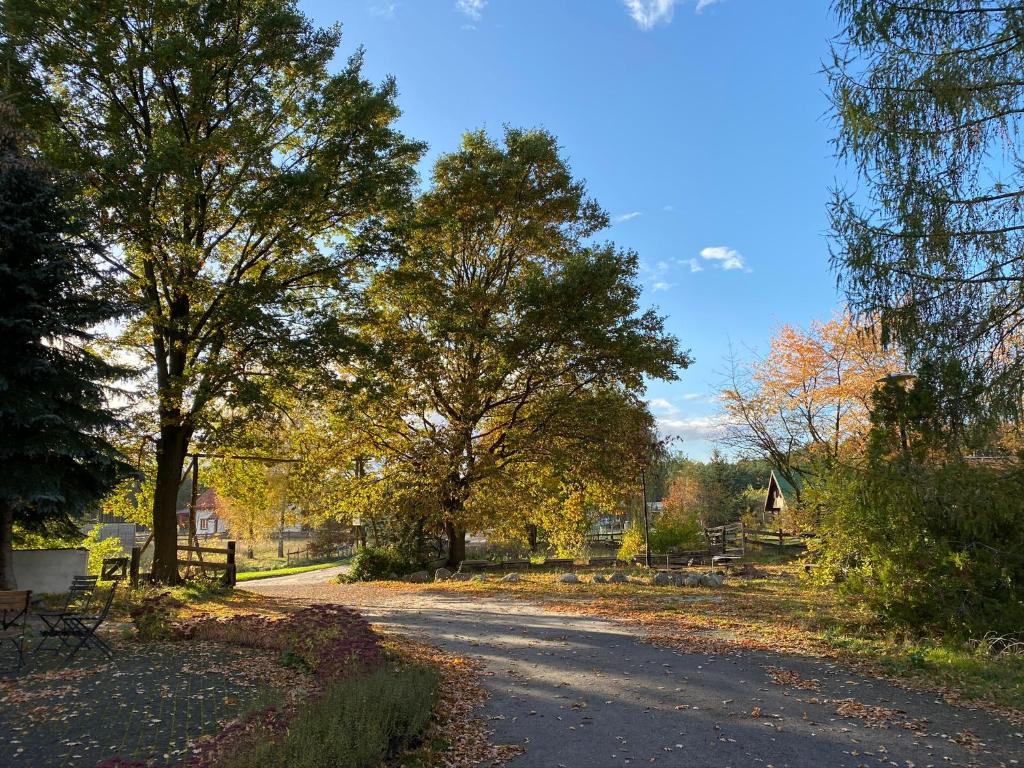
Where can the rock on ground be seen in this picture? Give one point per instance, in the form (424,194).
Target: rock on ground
(569,578)
(511,578)
(442,574)
(661,579)
(711,580)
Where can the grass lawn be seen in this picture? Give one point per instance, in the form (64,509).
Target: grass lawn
(288,571)
(776,610)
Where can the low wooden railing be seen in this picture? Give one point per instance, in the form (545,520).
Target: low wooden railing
(195,566)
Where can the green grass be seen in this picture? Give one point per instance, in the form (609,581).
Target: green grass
(952,666)
(355,724)
(274,572)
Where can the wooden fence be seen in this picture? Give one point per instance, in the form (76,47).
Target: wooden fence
(309,552)
(194,564)
(778,539)
(726,539)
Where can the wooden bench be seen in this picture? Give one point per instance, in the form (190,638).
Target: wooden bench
(559,562)
(477,565)
(727,560)
(507,565)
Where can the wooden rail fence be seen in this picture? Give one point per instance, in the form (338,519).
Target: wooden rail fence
(780,539)
(197,566)
(308,552)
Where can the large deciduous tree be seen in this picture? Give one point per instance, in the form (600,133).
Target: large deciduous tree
(809,399)
(928,98)
(234,173)
(54,419)
(499,316)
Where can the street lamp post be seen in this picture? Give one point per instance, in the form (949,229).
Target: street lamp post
(647,527)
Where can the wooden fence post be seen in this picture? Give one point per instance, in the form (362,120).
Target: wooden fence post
(780,541)
(229,577)
(133,568)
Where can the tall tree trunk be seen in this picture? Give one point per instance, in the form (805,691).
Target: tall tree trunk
(7,580)
(170,460)
(531,536)
(456,545)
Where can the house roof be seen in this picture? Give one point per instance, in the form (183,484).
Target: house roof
(784,488)
(787,488)
(208,499)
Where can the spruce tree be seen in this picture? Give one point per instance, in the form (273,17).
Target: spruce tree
(54,418)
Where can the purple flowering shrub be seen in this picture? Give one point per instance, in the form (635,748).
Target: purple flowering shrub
(329,640)
(154,617)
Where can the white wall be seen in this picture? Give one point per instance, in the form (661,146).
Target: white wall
(48,570)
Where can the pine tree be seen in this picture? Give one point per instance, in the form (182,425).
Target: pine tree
(53,408)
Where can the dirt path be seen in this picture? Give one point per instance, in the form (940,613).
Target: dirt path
(298,579)
(584,692)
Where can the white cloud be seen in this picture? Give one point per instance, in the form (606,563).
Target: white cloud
(692,428)
(694,265)
(662,406)
(628,216)
(661,285)
(649,13)
(384,9)
(692,396)
(472,8)
(724,257)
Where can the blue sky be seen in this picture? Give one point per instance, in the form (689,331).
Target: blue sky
(701,127)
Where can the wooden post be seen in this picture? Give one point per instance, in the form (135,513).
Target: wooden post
(229,575)
(133,568)
(780,541)
(647,525)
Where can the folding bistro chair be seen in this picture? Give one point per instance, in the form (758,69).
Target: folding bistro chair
(13,619)
(77,601)
(82,627)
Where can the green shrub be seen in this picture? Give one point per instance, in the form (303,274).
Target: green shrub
(677,535)
(355,724)
(100,550)
(379,563)
(929,546)
(632,543)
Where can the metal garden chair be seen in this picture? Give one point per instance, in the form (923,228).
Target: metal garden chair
(77,601)
(13,620)
(82,627)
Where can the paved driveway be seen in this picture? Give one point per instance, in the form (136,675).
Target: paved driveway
(585,692)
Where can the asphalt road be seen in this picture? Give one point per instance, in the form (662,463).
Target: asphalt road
(582,692)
